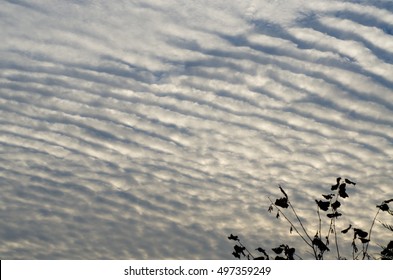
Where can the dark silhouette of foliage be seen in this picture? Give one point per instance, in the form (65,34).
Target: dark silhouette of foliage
(364,240)
(344,231)
(360,233)
(261,250)
(342,190)
(328,196)
(387,252)
(239,249)
(288,252)
(282,202)
(336,205)
(233,237)
(320,243)
(350,182)
(389,227)
(335,187)
(284,193)
(334,215)
(323,205)
(278,250)
(383,207)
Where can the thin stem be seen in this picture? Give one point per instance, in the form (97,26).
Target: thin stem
(300,258)
(335,238)
(289,221)
(320,222)
(369,233)
(297,217)
(246,249)
(362,252)
(353,250)
(331,222)
(301,224)
(329,231)
(312,254)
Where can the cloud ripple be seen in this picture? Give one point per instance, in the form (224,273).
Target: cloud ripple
(152,131)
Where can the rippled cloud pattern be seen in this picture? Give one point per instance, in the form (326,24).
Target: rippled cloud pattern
(153,129)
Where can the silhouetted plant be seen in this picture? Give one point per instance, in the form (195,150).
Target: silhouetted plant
(319,243)
(387,252)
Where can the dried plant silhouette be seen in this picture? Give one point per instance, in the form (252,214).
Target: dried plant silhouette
(321,242)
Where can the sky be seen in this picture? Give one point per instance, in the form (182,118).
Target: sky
(154,129)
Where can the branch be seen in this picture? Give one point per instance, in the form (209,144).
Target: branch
(369,233)
(301,224)
(293,226)
(245,249)
(335,238)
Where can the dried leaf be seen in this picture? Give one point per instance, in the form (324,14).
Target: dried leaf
(233,237)
(281,189)
(261,250)
(383,207)
(347,229)
(355,248)
(342,191)
(323,205)
(387,252)
(236,255)
(334,215)
(360,233)
(350,182)
(321,246)
(239,249)
(282,202)
(289,252)
(335,187)
(336,205)
(278,250)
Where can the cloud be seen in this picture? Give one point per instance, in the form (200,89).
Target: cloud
(153,130)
